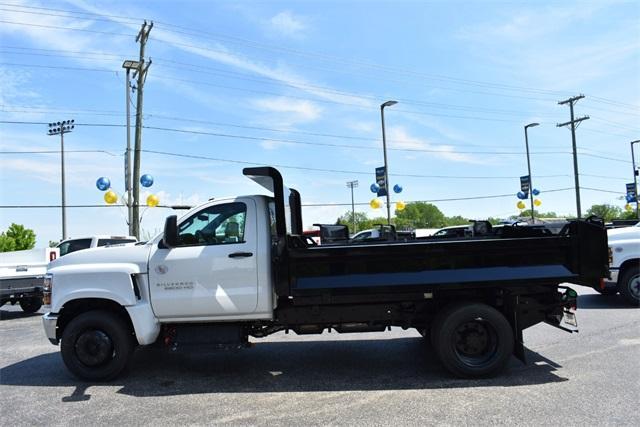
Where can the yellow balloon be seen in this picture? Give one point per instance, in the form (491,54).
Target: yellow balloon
(400,206)
(375,204)
(537,202)
(520,205)
(110,197)
(152,201)
(628,207)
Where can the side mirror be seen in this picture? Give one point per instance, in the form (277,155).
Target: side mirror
(170,238)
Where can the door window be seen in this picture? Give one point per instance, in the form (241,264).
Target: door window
(215,225)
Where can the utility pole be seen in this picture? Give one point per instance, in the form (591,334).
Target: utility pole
(573,122)
(129,65)
(60,128)
(141,73)
(635,177)
(352,185)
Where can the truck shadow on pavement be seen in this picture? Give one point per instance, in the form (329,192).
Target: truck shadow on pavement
(597,301)
(10,315)
(298,366)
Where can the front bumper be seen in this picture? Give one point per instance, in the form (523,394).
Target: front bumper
(50,323)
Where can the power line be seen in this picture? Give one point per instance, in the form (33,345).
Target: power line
(452,199)
(198,33)
(304,168)
(323,144)
(59,67)
(56,27)
(58,152)
(346,146)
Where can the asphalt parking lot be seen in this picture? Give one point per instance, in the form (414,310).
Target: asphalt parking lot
(589,378)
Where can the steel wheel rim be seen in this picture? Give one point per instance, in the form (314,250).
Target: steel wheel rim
(475,342)
(94,348)
(634,286)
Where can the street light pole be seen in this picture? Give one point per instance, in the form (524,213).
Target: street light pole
(129,65)
(635,176)
(60,128)
(352,185)
(386,167)
(526,141)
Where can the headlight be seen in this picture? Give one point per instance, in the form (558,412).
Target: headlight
(47,287)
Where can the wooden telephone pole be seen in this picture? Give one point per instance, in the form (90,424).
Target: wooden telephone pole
(141,74)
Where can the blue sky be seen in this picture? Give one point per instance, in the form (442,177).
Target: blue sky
(299,84)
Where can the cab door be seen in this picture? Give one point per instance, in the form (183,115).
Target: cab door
(212,273)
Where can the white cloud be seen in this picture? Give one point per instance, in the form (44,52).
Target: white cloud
(284,113)
(220,53)
(287,23)
(531,24)
(302,111)
(398,137)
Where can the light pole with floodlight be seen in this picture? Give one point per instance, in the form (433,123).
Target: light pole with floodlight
(60,128)
(526,141)
(386,167)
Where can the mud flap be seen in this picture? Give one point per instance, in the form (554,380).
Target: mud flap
(511,304)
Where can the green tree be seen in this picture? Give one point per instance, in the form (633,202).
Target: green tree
(420,215)
(347,219)
(527,214)
(17,238)
(456,220)
(606,212)
(7,244)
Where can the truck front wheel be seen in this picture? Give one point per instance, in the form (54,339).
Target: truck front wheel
(30,305)
(97,345)
(629,285)
(473,340)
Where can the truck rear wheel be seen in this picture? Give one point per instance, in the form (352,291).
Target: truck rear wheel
(30,305)
(629,285)
(473,340)
(97,345)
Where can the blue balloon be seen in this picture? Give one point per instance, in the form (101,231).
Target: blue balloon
(397,188)
(103,183)
(146,180)
(521,195)
(630,198)
(535,192)
(374,188)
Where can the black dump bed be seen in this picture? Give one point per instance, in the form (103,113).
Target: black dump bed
(578,254)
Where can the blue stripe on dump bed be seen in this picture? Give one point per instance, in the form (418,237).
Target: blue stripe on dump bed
(431,277)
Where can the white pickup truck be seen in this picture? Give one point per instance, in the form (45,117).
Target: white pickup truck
(239,267)
(22,277)
(22,272)
(624,247)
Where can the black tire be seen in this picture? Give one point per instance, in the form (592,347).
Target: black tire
(30,305)
(609,290)
(473,340)
(629,285)
(97,346)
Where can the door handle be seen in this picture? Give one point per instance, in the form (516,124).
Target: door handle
(240,254)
